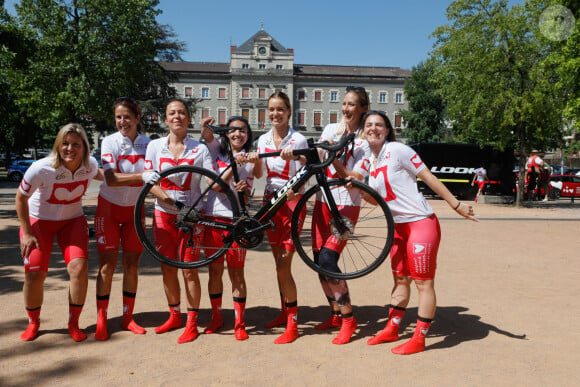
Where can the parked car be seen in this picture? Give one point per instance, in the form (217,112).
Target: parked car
(564,186)
(17,168)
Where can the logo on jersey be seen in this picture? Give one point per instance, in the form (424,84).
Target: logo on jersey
(130,163)
(195,150)
(68,193)
(416,160)
(25,186)
(61,176)
(419,248)
(107,158)
(388,156)
(148,165)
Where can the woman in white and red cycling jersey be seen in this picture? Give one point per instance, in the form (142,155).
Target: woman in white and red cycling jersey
(326,247)
(177,148)
(123,159)
(281,137)
(394,168)
(49,205)
(250,166)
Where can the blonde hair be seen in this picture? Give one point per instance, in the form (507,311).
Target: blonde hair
(363,101)
(62,133)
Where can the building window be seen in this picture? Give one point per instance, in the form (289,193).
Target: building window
(279,67)
(245,66)
(221,116)
(318,95)
(398,121)
(333,96)
(262,66)
(382,97)
(205,92)
(262,118)
(262,93)
(301,95)
(245,92)
(188,92)
(204,113)
(222,93)
(246,114)
(333,117)
(317,119)
(301,117)
(398,97)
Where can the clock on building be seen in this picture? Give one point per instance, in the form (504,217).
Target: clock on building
(262,50)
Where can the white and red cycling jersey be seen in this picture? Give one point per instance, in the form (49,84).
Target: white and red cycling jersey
(279,171)
(121,154)
(217,203)
(356,159)
(183,187)
(393,174)
(55,194)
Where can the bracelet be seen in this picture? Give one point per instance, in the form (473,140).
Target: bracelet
(457,206)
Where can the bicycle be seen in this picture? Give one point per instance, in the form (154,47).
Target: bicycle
(368,240)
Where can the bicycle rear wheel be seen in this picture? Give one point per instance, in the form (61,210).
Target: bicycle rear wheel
(362,248)
(180,242)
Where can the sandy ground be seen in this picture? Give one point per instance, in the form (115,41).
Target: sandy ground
(508,303)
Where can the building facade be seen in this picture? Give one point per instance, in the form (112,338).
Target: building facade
(261,66)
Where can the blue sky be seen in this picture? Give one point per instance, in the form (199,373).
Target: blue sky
(332,32)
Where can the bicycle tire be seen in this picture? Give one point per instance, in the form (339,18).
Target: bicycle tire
(146,205)
(368,245)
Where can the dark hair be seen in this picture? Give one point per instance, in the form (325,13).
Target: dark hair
(361,93)
(248,145)
(130,104)
(177,99)
(383,115)
(283,96)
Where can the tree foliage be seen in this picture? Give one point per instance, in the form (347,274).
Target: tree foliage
(87,53)
(498,87)
(424,118)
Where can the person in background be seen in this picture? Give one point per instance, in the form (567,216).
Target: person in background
(240,140)
(481,177)
(49,206)
(533,168)
(123,159)
(394,168)
(177,148)
(281,137)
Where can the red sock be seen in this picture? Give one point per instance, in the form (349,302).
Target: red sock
(346,330)
(101,333)
(216,314)
(128,322)
(191,331)
(335,320)
(417,342)
(391,331)
(240,323)
(74,312)
(282,317)
(291,333)
(33,324)
(173,322)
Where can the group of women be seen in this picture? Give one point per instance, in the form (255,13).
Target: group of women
(48,203)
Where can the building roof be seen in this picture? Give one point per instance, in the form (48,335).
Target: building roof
(197,67)
(248,45)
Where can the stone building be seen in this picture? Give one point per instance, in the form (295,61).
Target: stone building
(262,65)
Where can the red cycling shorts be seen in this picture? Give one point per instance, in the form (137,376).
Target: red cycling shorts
(174,243)
(72,236)
(321,230)
(213,240)
(281,235)
(115,223)
(414,251)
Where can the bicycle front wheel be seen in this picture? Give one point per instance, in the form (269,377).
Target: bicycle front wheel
(179,237)
(363,235)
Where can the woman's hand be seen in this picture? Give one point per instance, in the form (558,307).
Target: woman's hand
(241,186)
(27,244)
(466,211)
(287,154)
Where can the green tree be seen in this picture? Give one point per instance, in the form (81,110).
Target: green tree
(425,115)
(88,53)
(495,81)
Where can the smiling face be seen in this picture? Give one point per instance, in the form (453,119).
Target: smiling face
(238,135)
(375,131)
(352,110)
(72,151)
(126,121)
(177,118)
(279,113)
